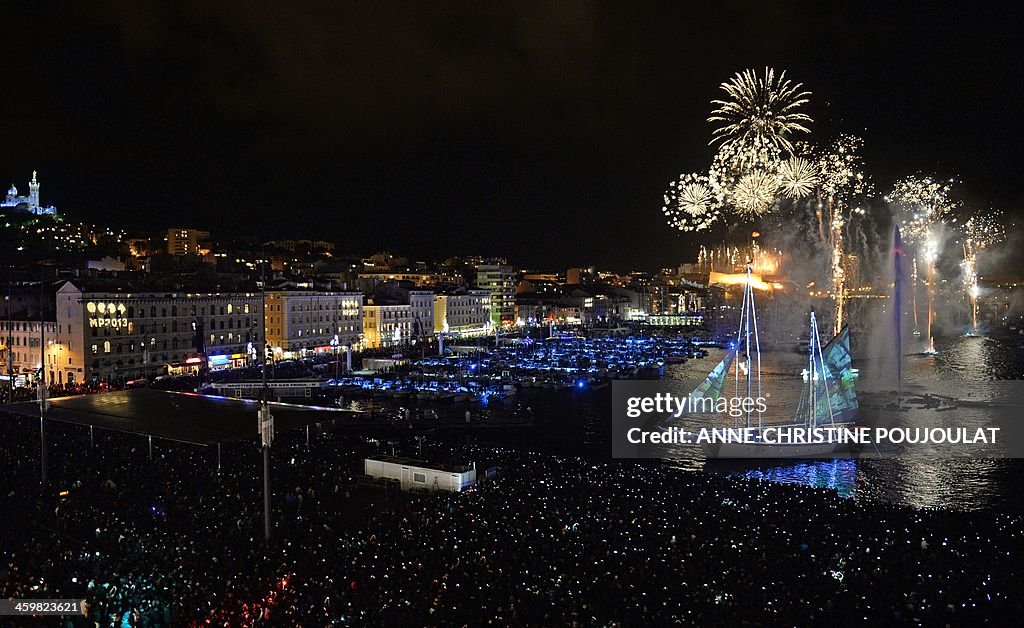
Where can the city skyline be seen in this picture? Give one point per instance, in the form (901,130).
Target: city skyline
(505,127)
(521,314)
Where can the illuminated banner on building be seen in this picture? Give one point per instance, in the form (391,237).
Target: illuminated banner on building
(350,308)
(107,315)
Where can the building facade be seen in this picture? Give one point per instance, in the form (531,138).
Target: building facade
(387,325)
(114,333)
(302,321)
(185,241)
(421,308)
(20,353)
(500,281)
(463,314)
(369,280)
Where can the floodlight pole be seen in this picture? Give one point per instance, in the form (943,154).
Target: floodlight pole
(41,381)
(10,337)
(265,433)
(266,492)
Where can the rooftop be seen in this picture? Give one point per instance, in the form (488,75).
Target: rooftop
(422,464)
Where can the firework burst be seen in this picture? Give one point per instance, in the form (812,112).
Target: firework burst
(925,202)
(840,170)
(841,183)
(927,209)
(761,112)
(983,230)
(797,177)
(690,203)
(754,194)
(980,232)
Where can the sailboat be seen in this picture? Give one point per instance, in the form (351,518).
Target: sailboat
(828,400)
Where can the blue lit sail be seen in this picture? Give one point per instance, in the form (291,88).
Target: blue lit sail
(829,382)
(712,385)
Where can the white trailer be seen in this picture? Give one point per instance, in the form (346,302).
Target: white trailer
(418,474)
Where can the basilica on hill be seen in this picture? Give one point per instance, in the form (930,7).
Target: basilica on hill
(26,204)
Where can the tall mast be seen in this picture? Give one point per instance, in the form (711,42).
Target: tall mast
(811,400)
(757,349)
(824,374)
(739,339)
(746,331)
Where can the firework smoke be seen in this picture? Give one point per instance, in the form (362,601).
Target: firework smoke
(927,209)
(980,232)
(841,187)
(925,203)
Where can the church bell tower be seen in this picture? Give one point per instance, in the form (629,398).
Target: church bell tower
(33,191)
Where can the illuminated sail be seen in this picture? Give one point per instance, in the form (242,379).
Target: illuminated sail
(835,398)
(839,364)
(712,385)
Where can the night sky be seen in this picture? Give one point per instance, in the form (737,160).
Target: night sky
(542,131)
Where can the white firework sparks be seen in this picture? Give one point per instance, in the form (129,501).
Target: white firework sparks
(840,170)
(927,209)
(925,202)
(983,230)
(980,232)
(841,183)
(691,203)
(756,170)
(797,177)
(754,194)
(761,112)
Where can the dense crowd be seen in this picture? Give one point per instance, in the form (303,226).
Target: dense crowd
(552,541)
(30,393)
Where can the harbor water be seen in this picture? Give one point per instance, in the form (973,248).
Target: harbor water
(577,422)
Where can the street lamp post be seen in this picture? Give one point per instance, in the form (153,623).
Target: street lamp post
(44,403)
(334,347)
(10,338)
(266,421)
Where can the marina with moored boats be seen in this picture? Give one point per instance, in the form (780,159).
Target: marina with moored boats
(495,373)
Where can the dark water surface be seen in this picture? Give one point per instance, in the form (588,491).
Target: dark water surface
(578,422)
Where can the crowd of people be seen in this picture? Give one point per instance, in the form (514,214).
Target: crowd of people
(176,539)
(29,392)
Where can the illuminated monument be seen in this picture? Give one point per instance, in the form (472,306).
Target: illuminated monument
(27,204)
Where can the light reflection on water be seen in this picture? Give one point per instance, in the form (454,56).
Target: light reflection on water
(963,484)
(965,367)
(838,475)
(579,423)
